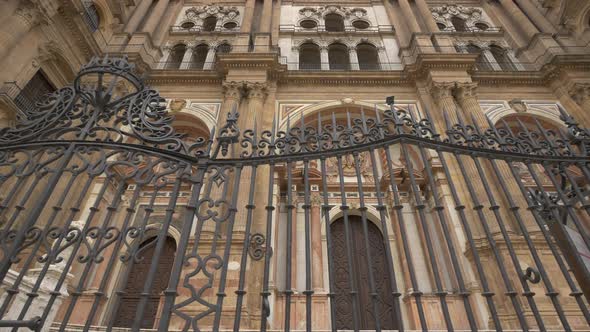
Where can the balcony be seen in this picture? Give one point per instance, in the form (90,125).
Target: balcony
(349,29)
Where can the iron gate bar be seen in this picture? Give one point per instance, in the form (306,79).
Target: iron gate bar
(478,206)
(549,287)
(344,208)
(443,222)
(382,208)
(77,138)
(416,293)
(363,209)
(499,221)
(460,208)
(420,207)
(551,292)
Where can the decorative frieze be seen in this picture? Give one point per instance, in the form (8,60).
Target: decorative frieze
(471,15)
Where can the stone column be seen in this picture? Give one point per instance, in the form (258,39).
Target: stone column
(188,57)
(466,94)
(353,58)
(210,59)
(137,17)
(248,14)
(168,20)
(536,16)
(317,272)
(324,58)
(442,94)
(520,19)
(426,15)
(266,17)
(410,19)
(487,54)
(155,16)
(165,56)
(401,33)
(16,26)
(383,60)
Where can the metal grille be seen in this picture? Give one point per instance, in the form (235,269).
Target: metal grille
(364,219)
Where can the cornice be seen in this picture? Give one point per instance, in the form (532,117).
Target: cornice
(182,77)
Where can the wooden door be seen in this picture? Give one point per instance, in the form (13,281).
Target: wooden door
(359,263)
(135,283)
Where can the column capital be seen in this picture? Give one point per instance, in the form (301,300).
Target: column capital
(30,13)
(232,90)
(441,89)
(465,90)
(256,90)
(580,92)
(316,199)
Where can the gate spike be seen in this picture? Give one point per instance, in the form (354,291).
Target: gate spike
(565,117)
(363,119)
(302,126)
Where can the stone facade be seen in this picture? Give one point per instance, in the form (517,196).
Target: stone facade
(283,59)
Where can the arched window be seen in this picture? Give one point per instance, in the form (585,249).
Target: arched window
(367,56)
(210,23)
(501,57)
(199,56)
(223,48)
(334,22)
(481,63)
(458,23)
(309,57)
(176,56)
(91,16)
(338,57)
(135,283)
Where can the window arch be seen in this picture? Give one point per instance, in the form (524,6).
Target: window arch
(309,57)
(501,57)
(176,55)
(334,22)
(91,16)
(223,48)
(458,23)
(368,56)
(209,23)
(199,56)
(481,63)
(338,57)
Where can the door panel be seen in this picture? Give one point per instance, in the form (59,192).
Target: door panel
(344,310)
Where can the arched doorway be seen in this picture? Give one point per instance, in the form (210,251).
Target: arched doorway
(136,280)
(342,299)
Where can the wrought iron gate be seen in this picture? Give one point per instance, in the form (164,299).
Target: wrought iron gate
(478,226)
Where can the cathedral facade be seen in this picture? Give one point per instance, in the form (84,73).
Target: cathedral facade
(281,165)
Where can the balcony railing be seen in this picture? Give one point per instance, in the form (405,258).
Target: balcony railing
(174,65)
(317,66)
(473,30)
(198,28)
(322,28)
(11,93)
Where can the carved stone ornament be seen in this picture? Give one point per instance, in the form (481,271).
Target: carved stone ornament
(443,14)
(177,105)
(518,105)
(221,12)
(334,9)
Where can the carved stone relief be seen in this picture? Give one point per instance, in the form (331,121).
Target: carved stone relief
(444,14)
